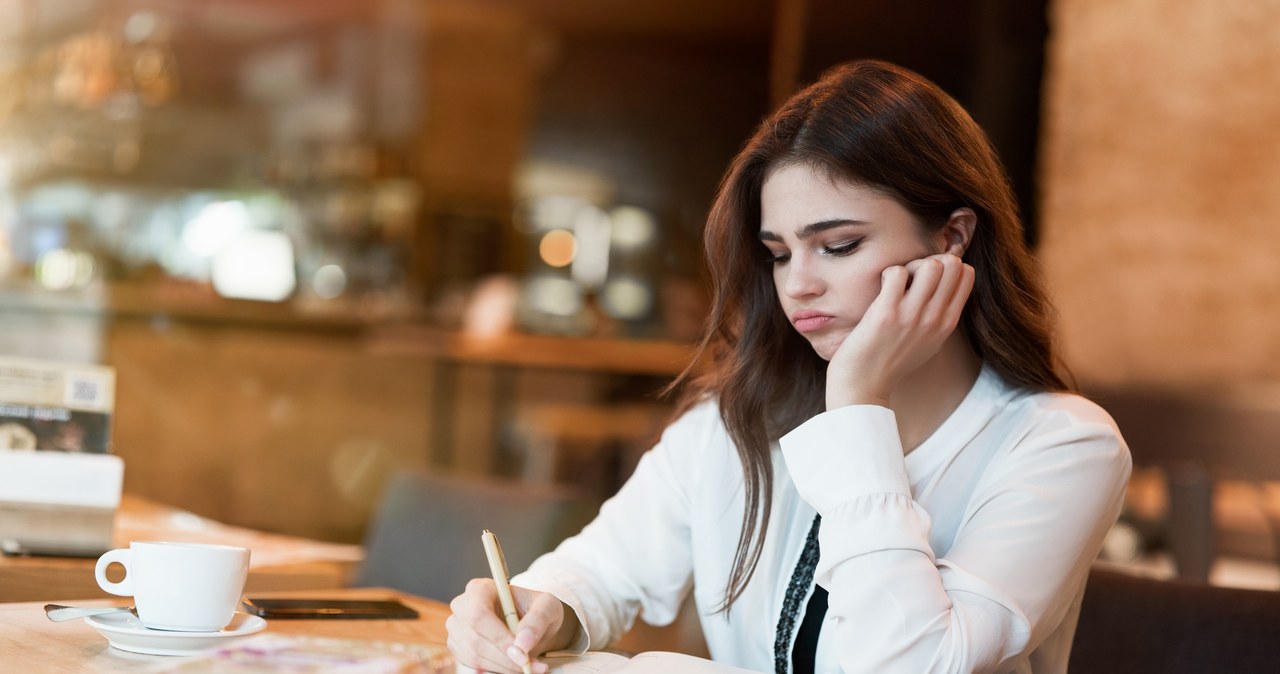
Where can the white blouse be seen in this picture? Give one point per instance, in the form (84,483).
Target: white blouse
(968,554)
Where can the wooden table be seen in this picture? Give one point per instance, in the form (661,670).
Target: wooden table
(29,642)
(276,563)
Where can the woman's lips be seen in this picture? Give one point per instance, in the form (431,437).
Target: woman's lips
(808,321)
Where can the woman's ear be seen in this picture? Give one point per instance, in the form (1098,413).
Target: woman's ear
(955,235)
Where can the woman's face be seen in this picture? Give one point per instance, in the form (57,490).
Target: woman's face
(830,240)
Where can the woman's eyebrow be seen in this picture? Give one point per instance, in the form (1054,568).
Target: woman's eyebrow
(812,228)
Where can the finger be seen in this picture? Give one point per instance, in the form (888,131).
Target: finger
(939,304)
(493,658)
(924,286)
(487,620)
(469,650)
(543,619)
(893,282)
(893,285)
(478,608)
(961,296)
(497,666)
(518,652)
(479,628)
(460,652)
(914,266)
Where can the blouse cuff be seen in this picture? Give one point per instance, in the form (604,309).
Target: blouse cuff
(846,453)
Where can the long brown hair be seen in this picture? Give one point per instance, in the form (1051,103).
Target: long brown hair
(876,124)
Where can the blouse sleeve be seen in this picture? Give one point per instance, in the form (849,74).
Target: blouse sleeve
(1030,529)
(636,555)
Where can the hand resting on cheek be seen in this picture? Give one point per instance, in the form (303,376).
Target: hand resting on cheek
(918,307)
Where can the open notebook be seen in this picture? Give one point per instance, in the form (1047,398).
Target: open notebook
(653,662)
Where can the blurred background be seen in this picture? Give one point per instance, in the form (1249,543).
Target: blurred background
(322,241)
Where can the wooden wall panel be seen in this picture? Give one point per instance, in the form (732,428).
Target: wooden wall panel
(277,430)
(1161,190)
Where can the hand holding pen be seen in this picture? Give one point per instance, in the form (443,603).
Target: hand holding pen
(480,638)
(498,567)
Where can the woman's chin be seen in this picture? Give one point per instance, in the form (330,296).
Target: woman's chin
(825,348)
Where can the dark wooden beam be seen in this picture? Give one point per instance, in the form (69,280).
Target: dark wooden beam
(790,23)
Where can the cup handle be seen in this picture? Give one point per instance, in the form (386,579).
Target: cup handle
(120,556)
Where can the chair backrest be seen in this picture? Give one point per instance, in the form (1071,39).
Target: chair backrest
(1234,438)
(1134,625)
(425,537)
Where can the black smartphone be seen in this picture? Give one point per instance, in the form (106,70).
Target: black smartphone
(368,609)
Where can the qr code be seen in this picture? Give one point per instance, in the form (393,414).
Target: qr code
(84,391)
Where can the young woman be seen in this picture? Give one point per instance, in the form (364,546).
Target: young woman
(881,470)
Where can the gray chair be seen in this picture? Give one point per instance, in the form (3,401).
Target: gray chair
(425,537)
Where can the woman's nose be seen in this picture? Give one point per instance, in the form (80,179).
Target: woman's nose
(801,280)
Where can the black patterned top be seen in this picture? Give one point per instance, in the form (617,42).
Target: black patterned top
(797,589)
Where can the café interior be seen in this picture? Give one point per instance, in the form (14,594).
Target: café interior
(368,272)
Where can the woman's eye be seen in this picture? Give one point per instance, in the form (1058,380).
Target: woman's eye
(840,249)
(779,258)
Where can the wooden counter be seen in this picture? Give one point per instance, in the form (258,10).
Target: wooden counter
(598,354)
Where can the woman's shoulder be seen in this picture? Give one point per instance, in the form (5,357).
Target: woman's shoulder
(1033,405)
(1020,413)
(1013,405)
(698,433)
(699,418)
(1059,403)
(1067,420)
(1061,407)
(703,410)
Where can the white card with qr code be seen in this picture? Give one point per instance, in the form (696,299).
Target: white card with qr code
(48,405)
(88,390)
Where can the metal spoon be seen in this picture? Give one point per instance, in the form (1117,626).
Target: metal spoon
(57,613)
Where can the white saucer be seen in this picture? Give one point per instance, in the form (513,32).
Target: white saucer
(125,632)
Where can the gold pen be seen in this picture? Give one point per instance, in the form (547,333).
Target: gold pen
(498,567)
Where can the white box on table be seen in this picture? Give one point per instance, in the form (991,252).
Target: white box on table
(52,502)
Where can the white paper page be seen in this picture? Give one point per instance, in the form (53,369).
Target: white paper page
(662,663)
(587,663)
(655,662)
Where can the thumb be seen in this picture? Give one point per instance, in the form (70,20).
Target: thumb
(542,617)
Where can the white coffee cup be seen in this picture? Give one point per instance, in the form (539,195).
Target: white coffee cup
(185,587)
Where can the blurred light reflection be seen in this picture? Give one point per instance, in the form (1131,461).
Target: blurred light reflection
(329,281)
(558,248)
(591,264)
(215,226)
(256,265)
(555,296)
(627,298)
(63,269)
(633,227)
